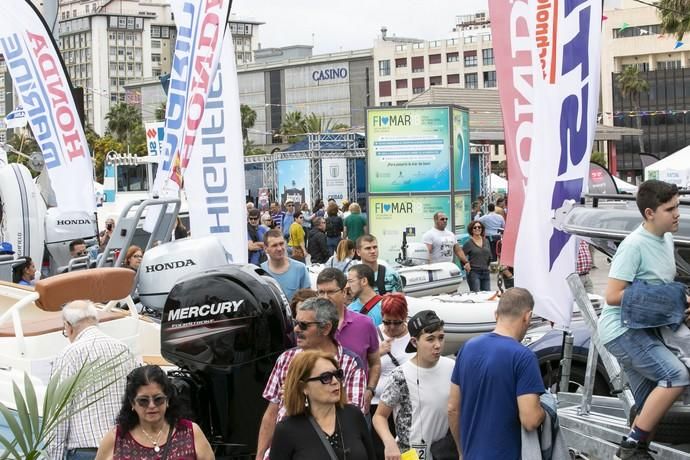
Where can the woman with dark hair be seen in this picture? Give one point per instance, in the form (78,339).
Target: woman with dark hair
(149,424)
(319,425)
(298,299)
(133,258)
(24,273)
(478,252)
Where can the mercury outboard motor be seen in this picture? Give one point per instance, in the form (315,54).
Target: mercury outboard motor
(225,327)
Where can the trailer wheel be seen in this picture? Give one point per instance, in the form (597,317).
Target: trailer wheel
(674,427)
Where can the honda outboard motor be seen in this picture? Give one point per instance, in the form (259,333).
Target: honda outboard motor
(163,265)
(226,327)
(64,227)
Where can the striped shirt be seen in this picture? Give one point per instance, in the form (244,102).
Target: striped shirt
(355,380)
(86,428)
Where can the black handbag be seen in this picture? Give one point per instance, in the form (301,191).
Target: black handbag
(444,448)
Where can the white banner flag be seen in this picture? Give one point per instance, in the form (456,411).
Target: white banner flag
(334,179)
(16,118)
(41,83)
(214,179)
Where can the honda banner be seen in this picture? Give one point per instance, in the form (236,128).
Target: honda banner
(45,93)
(214,180)
(547,63)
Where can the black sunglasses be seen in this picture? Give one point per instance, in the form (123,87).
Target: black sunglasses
(327,377)
(304,325)
(395,322)
(145,401)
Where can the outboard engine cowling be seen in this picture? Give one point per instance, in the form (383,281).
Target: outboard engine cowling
(417,253)
(163,265)
(64,227)
(226,327)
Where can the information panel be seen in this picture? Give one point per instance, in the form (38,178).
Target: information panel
(408,150)
(461,150)
(294,182)
(390,216)
(462,215)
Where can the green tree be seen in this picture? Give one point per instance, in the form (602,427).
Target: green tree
(160,111)
(122,122)
(293,127)
(675,16)
(598,158)
(250,148)
(631,84)
(248,116)
(100,149)
(25,143)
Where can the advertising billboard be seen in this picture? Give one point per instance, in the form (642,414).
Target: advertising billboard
(334,179)
(461,150)
(462,213)
(294,181)
(408,150)
(390,216)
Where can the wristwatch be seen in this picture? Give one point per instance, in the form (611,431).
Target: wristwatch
(373,390)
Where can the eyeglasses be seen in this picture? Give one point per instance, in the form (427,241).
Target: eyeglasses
(304,325)
(327,377)
(395,322)
(443,218)
(328,293)
(145,401)
(253,218)
(477,227)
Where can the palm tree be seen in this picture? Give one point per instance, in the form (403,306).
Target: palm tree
(675,16)
(630,83)
(123,119)
(293,126)
(248,116)
(160,111)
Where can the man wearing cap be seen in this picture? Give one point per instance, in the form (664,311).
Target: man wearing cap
(255,244)
(496,385)
(419,390)
(288,218)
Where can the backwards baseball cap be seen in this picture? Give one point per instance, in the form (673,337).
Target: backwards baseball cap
(418,323)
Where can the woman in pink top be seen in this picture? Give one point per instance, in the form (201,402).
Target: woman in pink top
(149,425)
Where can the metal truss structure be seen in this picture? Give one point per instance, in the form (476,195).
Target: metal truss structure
(483,151)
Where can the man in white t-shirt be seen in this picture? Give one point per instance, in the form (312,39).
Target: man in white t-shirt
(442,243)
(418,392)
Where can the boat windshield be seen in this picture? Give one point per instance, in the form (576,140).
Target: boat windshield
(132,178)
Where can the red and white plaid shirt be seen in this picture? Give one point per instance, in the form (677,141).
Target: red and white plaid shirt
(355,380)
(584,258)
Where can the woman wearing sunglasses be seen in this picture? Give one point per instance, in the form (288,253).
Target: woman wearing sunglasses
(393,338)
(149,425)
(478,253)
(320,425)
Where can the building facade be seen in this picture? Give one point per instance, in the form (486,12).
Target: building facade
(336,86)
(632,36)
(405,68)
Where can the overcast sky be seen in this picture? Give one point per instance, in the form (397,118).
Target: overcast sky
(339,25)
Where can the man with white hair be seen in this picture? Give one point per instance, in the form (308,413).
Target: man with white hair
(78,437)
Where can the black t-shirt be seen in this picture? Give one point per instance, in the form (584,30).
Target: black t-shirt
(334,226)
(479,257)
(295,438)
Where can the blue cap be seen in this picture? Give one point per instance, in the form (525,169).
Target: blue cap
(6,248)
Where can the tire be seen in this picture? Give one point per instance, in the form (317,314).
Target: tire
(577,379)
(674,427)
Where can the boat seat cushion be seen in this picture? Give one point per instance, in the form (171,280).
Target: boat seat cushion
(97,284)
(52,322)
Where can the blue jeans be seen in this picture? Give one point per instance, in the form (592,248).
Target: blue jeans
(332,243)
(479,279)
(647,363)
(81,454)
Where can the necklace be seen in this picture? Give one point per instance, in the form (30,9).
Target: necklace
(156,447)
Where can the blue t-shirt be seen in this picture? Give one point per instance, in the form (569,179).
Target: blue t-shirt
(294,279)
(642,256)
(492,371)
(492,223)
(374,313)
(287,221)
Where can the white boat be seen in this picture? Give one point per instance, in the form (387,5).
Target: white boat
(418,280)
(31,324)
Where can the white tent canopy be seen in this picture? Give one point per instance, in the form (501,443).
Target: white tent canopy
(498,184)
(624,186)
(675,168)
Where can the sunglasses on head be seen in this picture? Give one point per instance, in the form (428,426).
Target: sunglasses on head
(394,322)
(327,377)
(145,401)
(304,325)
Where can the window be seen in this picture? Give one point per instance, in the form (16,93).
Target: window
(384,68)
(436,80)
(156,58)
(470,58)
(470,80)
(636,31)
(401,103)
(418,46)
(453,79)
(400,48)
(401,84)
(386,104)
(486,37)
(490,79)
(434,59)
(155,32)
(155,43)
(417,85)
(435,44)
(165,32)
(661,65)
(470,39)
(452,42)
(452,57)
(488,56)
(384,88)
(401,62)
(418,64)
